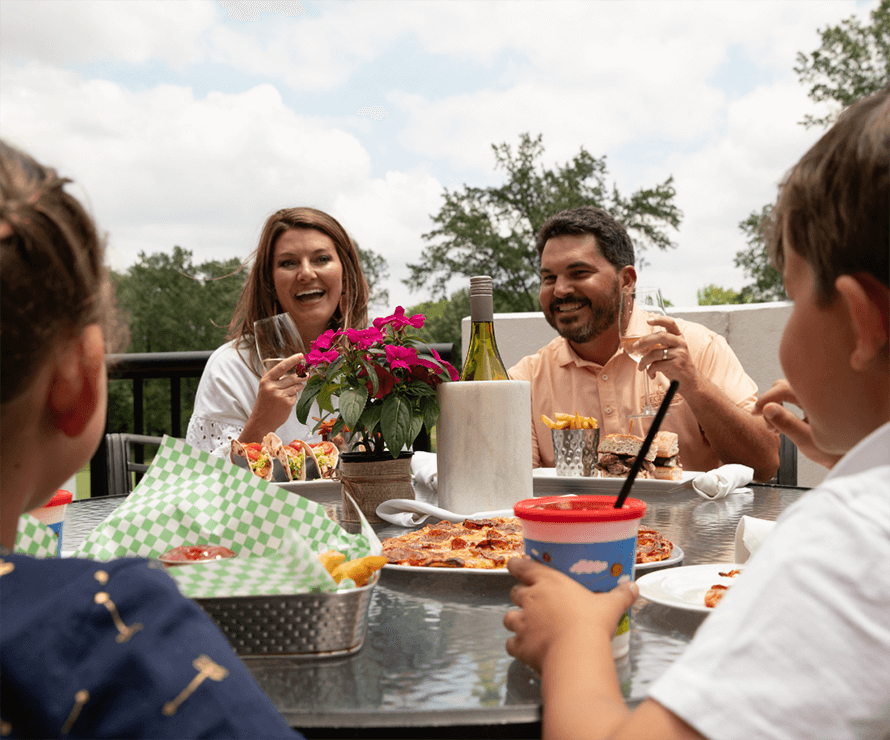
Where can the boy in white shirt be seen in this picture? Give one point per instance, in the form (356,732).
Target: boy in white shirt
(800,646)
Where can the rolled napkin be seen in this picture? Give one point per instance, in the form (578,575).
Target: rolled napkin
(749,535)
(722,481)
(425,467)
(409,513)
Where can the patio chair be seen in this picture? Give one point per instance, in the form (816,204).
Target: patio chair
(121,468)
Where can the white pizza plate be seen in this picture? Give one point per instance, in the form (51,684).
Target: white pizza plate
(685,587)
(322,491)
(546,482)
(676,556)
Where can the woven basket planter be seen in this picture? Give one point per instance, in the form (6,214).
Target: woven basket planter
(371,481)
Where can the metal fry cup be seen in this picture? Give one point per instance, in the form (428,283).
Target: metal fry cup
(575,451)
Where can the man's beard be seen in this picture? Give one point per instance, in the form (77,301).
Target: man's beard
(602,316)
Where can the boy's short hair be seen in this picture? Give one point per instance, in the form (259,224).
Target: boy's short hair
(835,202)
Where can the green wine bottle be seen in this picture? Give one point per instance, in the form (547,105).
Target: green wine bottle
(483,359)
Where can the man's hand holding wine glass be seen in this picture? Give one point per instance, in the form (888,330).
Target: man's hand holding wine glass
(665,351)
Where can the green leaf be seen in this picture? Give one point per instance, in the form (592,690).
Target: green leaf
(430,415)
(352,403)
(370,417)
(372,376)
(395,423)
(419,389)
(416,426)
(309,394)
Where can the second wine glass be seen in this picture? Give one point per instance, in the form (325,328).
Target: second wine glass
(649,300)
(277,338)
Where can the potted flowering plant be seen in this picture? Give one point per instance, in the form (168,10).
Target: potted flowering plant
(379,387)
(376,382)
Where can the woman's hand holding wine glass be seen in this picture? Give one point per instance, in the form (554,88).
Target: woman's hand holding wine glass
(280,350)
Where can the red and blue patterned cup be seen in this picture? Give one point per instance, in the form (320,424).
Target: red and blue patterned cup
(589,540)
(52,514)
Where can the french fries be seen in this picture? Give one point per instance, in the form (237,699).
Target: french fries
(359,570)
(569,421)
(331,559)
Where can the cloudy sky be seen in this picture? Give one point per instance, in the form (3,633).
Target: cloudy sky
(187,122)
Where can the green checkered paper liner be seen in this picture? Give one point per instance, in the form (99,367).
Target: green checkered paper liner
(189,497)
(33,537)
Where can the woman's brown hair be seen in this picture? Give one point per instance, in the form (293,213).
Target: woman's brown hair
(54,283)
(258,298)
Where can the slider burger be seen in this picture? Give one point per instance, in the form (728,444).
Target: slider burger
(667,456)
(616,455)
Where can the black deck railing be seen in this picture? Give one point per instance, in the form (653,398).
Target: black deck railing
(142,366)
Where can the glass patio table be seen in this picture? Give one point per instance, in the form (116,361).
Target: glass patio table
(434,659)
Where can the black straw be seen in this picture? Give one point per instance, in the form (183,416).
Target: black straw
(647,443)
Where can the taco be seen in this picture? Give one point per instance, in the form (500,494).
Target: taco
(291,459)
(326,456)
(254,457)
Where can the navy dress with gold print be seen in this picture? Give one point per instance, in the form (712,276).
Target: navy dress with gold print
(113,650)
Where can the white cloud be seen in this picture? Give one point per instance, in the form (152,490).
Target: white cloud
(61,31)
(703,91)
(162,157)
(720,184)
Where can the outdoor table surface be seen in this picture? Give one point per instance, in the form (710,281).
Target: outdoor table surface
(434,657)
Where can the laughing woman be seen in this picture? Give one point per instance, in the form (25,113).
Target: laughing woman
(307,266)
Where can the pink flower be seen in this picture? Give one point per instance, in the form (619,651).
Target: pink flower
(399,321)
(325,339)
(398,356)
(316,356)
(364,338)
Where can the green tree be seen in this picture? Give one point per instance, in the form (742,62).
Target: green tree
(376,271)
(754,260)
(852,62)
(171,305)
(491,231)
(714,295)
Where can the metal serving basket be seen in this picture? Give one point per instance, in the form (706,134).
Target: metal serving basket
(317,625)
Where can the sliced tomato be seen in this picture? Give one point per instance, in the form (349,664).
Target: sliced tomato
(253,450)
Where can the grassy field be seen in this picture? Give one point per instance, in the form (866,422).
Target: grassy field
(83,482)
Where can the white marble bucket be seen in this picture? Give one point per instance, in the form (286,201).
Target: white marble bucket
(484,445)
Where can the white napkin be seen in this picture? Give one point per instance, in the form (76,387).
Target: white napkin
(408,512)
(749,535)
(722,481)
(425,466)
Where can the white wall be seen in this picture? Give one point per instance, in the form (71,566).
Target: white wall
(753,331)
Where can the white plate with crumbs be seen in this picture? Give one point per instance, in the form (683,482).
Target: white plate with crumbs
(685,587)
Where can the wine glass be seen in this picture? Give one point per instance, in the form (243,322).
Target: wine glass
(648,299)
(277,338)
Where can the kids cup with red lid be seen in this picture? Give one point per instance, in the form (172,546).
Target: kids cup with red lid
(589,540)
(52,514)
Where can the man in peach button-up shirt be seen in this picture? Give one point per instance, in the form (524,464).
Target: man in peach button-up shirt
(586,259)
